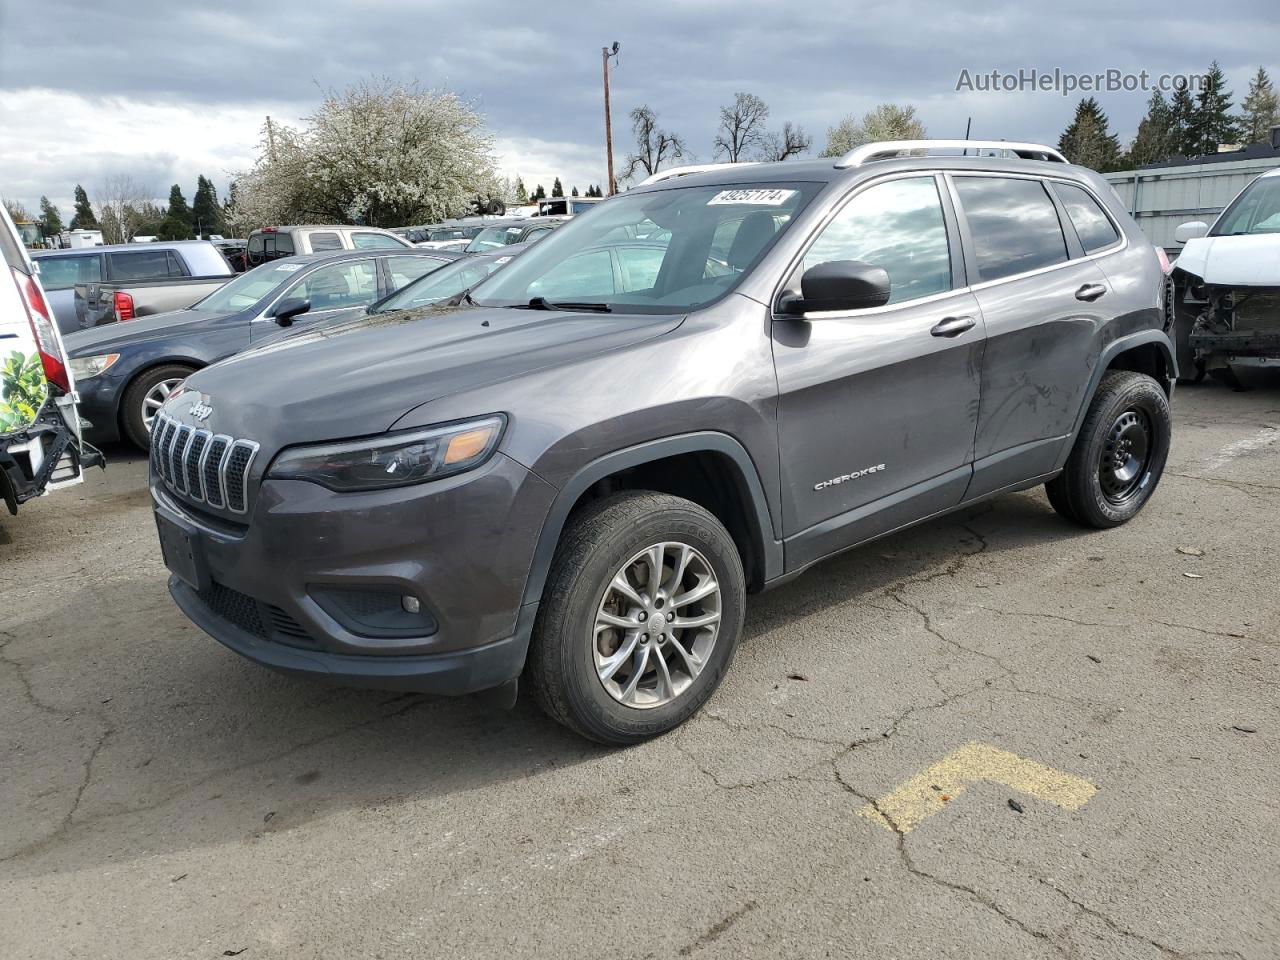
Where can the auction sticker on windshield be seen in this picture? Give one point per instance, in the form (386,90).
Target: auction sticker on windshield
(288,268)
(767,198)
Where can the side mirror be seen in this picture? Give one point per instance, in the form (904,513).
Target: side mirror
(284,311)
(1192,230)
(838,285)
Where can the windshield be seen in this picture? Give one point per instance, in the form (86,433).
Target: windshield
(492,238)
(1257,210)
(666,251)
(448,281)
(248,288)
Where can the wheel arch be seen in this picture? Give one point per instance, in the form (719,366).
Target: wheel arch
(712,469)
(1147,351)
(150,364)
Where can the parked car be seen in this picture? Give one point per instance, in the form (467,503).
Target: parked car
(450,281)
(1226,286)
(449,231)
(576,475)
(126,371)
(566,206)
(505,233)
(196,262)
(275,243)
(40,445)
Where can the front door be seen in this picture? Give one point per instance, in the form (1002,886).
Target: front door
(878,407)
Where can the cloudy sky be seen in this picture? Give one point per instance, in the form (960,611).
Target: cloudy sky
(167,90)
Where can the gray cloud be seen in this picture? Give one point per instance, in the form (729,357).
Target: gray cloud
(534,70)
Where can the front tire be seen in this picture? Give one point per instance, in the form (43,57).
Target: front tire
(143,398)
(640,617)
(1119,455)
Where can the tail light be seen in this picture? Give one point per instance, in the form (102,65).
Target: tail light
(38,315)
(124,306)
(1164,261)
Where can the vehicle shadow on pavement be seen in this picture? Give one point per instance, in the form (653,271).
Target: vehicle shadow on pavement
(181,744)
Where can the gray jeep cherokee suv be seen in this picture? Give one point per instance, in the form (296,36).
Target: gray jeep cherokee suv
(697,389)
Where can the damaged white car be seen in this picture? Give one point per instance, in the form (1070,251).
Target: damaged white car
(1226,286)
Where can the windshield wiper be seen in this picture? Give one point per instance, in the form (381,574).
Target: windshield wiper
(542,303)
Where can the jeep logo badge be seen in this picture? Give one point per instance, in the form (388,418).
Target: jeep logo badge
(200,410)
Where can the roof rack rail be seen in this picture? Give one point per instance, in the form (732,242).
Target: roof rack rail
(684,171)
(891,148)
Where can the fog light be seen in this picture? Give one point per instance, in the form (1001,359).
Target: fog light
(410,604)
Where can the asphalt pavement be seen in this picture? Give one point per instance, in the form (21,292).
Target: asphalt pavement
(995,735)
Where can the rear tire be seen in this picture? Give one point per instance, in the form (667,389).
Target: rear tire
(616,665)
(138,407)
(1119,455)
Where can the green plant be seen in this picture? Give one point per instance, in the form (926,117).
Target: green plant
(22,390)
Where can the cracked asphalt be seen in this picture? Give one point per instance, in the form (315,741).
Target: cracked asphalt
(162,798)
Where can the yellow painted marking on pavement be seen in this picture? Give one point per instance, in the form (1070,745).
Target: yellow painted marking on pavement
(933,789)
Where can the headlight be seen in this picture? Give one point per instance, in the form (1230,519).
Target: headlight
(394,459)
(82,368)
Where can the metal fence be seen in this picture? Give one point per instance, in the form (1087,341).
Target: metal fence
(1160,198)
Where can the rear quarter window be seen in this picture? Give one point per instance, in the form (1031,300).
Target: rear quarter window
(1093,226)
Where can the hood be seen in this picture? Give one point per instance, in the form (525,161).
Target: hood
(109,336)
(1246,261)
(360,377)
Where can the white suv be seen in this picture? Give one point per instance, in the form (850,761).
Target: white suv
(40,445)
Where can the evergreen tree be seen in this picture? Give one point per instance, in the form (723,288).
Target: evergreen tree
(557,189)
(1212,123)
(1088,141)
(205,211)
(539,193)
(83,219)
(574,191)
(522,195)
(1182,111)
(177,219)
(1261,109)
(50,219)
(1154,142)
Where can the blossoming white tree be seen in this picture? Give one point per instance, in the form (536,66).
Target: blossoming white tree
(380,152)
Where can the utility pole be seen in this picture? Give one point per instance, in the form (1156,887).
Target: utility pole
(605,54)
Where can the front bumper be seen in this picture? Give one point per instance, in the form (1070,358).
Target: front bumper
(99,403)
(462,546)
(448,674)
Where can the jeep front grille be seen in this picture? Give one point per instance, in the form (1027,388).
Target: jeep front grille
(202,466)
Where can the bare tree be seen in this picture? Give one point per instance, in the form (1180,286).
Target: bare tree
(741,127)
(791,142)
(654,146)
(16,210)
(121,202)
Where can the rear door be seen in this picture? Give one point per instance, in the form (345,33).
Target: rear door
(1043,301)
(877,408)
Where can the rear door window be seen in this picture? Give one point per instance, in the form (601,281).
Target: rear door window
(1014,225)
(1093,226)
(63,273)
(324,241)
(144,265)
(374,241)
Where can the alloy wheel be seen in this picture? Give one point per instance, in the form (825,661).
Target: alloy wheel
(656,625)
(155,399)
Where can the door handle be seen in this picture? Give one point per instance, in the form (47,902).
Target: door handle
(1090,292)
(953,326)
